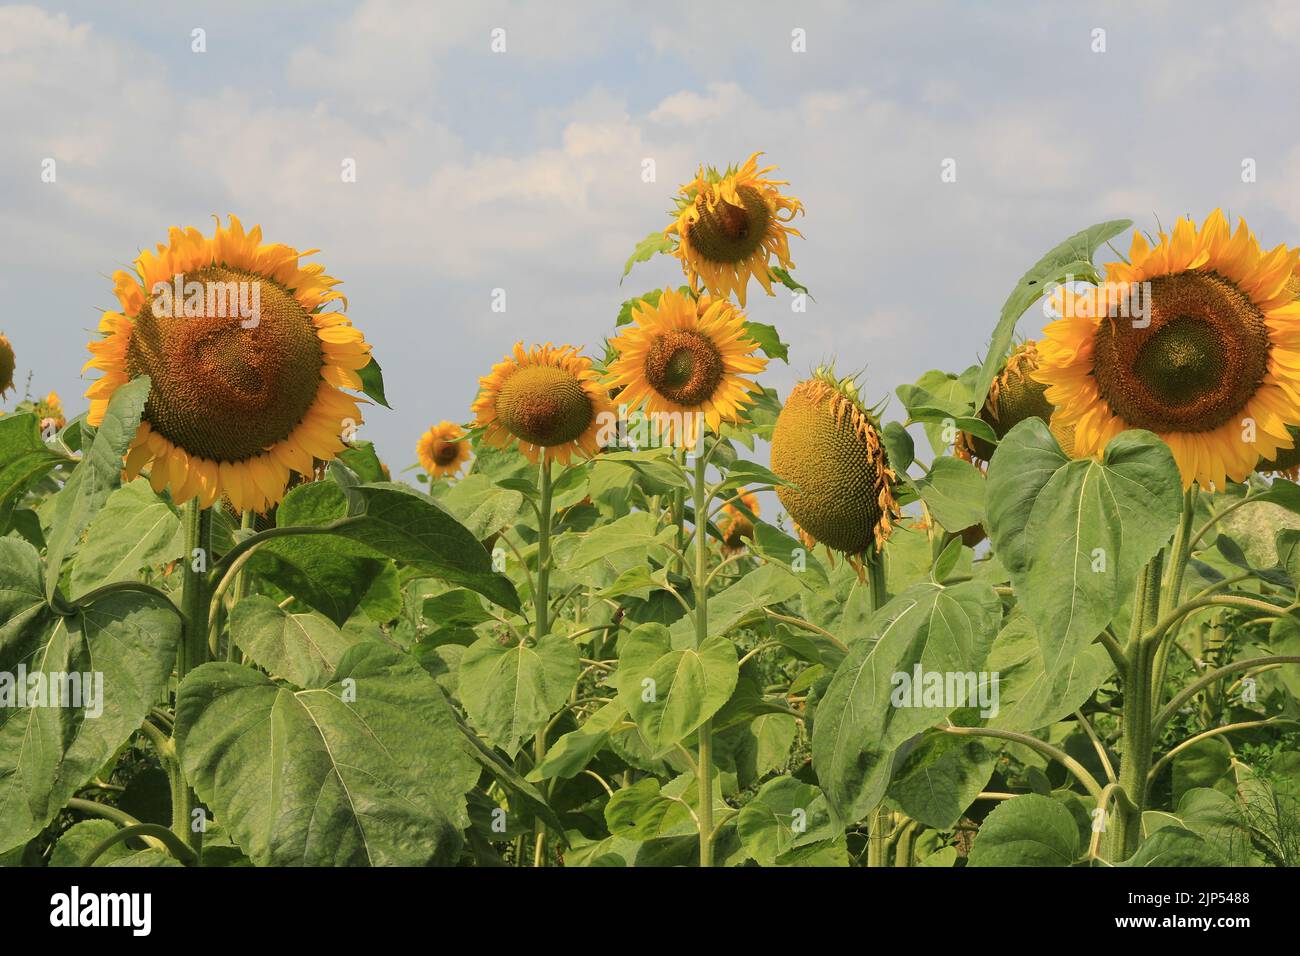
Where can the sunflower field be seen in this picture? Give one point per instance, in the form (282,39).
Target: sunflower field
(1042,611)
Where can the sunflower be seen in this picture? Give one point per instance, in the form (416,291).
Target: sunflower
(739,526)
(247,377)
(1013,397)
(547,399)
(50,411)
(681,357)
(7,365)
(729,225)
(1214,369)
(442,450)
(827,447)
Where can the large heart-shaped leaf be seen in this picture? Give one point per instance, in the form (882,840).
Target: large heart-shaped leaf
(384,520)
(135,529)
(1075,534)
(669,692)
(510,692)
(870,708)
(1029,830)
(369,770)
(785,814)
(122,648)
(1028,696)
(954,492)
(95,477)
(939,778)
(302,648)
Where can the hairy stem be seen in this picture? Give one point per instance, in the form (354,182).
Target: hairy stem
(700,587)
(195,595)
(541,618)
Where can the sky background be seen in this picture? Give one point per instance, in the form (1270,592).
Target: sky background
(522,170)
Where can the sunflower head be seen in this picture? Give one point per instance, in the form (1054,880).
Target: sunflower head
(1196,338)
(50,410)
(729,226)
(681,357)
(827,445)
(545,399)
(247,372)
(738,528)
(7,366)
(1014,396)
(443,450)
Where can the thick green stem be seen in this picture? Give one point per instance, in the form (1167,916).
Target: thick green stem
(194,641)
(878,822)
(700,590)
(1137,743)
(541,617)
(1179,556)
(246,523)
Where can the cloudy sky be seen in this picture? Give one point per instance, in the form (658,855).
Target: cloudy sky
(521,170)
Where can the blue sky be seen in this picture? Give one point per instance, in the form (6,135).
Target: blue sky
(521,170)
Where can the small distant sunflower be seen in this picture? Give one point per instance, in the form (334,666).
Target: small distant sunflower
(681,356)
(1013,397)
(729,225)
(442,450)
(1215,373)
(7,365)
(828,447)
(547,399)
(50,411)
(738,528)
(236,405)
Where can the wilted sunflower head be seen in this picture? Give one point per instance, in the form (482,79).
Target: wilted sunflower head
(546,399)
(827,445)
(1213,369)
(681,357)
(246,370)
(443,450)
(738,528)
(729,225)
(7,365)
(1013,397)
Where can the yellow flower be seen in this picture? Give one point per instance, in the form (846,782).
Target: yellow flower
(442,450)
(738,528)
(546,399)
(680,357)
(51,412)
(730,225)
(247,372)
(1214,369)
(7,365)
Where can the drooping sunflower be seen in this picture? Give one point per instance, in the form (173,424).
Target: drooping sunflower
(828,446)
(1214,369)
(738,528)
(7,365)
(1013,397)
(681,357)
(546,399)
(442,450)
(238,401)
(730,224)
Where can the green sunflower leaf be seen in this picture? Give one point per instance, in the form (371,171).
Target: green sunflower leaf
(646,249)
